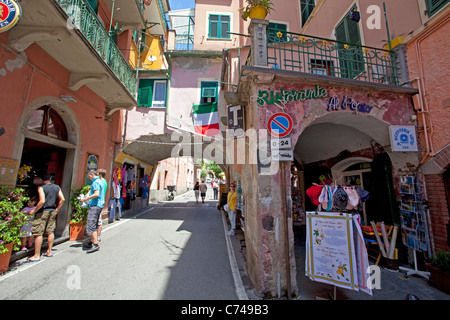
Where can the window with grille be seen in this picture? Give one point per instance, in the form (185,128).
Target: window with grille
(306,7)
(219,26)
(209,90)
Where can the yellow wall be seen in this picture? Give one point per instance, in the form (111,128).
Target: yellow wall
(122,157)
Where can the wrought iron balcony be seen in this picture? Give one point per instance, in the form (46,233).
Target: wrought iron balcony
(82,17)
(314,55)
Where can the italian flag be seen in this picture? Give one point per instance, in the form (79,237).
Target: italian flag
(206,119)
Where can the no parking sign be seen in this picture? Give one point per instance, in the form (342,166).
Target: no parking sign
(280,125)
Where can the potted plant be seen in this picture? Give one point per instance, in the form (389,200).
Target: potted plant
(77,222)
(12,219)
(256,9)
(439,269)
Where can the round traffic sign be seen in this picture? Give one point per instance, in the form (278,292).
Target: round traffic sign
(280,125)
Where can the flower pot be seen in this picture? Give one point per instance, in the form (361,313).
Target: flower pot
(76,231)
(258,12)
(5,257)
(440,279)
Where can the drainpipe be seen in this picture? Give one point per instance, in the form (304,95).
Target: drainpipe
(286,228)
(424,107)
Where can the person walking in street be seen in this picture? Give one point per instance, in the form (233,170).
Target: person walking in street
(203,188)
(51,199)
(231,200)
(196,191)
(215,185)
(96,200)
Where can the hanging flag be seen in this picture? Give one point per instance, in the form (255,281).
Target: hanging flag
(206,119)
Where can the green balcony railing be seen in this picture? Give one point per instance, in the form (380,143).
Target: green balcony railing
(314,55)
(81,16)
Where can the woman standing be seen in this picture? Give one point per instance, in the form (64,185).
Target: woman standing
(231,200)
(196,190)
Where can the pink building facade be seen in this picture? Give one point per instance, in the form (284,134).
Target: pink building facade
(344,118)
(63,101)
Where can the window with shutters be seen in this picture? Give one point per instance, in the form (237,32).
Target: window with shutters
(152,93)
(306,7)
(159,93)
(434,6)
(276,31)
(209,91)
(351,58)
(219,26)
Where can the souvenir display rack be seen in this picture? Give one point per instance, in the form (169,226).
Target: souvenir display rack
(413,220)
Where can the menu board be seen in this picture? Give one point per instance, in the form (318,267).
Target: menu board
(330,256)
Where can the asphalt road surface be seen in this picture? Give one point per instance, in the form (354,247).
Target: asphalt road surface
(174,250)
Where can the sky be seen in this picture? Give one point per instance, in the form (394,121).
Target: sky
(181,4)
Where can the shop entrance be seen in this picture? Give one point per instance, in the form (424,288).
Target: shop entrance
(49,143)
(340,150)
(42,158)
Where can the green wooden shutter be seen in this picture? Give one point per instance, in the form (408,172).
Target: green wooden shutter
(434,5)
(351,59)
(213,26)
(145,93)
(273,34)
(224,27)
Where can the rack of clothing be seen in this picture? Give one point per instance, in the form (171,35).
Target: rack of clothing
(337,198)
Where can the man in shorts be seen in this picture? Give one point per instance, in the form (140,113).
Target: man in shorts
(51,199)
(203,188)
(96,200)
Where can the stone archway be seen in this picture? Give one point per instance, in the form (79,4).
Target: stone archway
(72,147)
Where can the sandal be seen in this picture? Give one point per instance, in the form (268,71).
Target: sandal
(47,255)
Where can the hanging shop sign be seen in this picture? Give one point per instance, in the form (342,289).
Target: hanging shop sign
(10,13)
(347,103)
(266,97)
(280,125)
(236,121)
(403,138)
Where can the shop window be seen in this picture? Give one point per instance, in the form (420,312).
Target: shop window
(219,26)
(47,121)
(306,7)
(209,91)
(351,58)
(434,6)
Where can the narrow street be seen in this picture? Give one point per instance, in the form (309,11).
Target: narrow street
(171,250)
